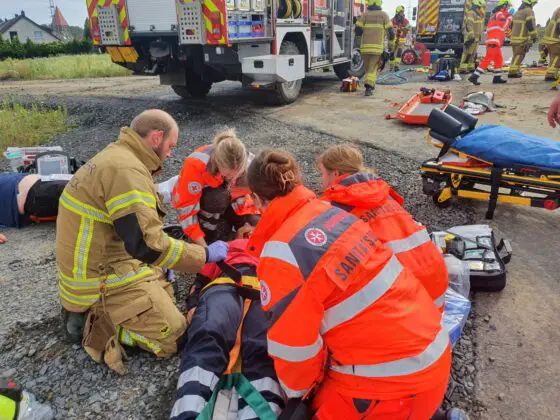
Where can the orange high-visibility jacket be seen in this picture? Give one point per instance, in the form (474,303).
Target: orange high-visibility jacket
(377,204)
(197,174)
(334,293)
(498,25)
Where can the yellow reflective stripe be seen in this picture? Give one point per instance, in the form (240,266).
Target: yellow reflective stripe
(173,254)
(374,25)
(81,251)
(76,206)
(116,281)
(129,198)
(82,300)
(249,281)
(153,346)
(359,24)
(70,283)
(177,257)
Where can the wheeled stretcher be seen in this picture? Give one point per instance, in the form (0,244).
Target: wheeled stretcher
(492,163)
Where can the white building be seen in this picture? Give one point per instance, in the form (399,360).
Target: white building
(23,28)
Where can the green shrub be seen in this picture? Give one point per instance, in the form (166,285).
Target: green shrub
(16,50)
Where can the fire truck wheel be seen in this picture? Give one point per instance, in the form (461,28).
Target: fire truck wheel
(287,92)
(195,88)
(356,65)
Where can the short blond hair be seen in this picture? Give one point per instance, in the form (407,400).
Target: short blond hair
(344,158)
(153,120)
(229,152)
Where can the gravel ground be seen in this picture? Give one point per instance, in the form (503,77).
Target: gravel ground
(32,348)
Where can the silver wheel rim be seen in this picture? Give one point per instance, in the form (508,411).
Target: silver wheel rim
(357,61)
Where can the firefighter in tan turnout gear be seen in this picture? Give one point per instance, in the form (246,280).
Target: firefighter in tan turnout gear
(372,26)
(472,33)
(111,247)
(523,35)
(551,41)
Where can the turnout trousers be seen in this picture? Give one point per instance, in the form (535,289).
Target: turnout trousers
(519,52)
(468,58)
(553,70)
(371,65)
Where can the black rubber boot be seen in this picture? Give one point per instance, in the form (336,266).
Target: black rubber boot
(498,80)
(473,78)
(514,75)
(548,78)
(369,90)
(72,324)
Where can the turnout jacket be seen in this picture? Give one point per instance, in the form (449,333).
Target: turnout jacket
(109,229)
(524,29)
(376,203)
(474,24)
(372,26)
(336,296)
(552,30)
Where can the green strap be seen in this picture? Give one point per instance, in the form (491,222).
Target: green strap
(247,391)
(254,398)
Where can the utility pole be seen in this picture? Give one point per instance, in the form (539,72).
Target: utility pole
(52,9)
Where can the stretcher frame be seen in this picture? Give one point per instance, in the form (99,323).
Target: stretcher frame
(517,184)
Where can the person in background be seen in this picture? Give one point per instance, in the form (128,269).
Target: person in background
(523,35)
(207,192)
(372,27)
(111,249)
(349,185)
(472,34)
(401,27)
(551,43)
(553,115)
(498,25)
(351,331)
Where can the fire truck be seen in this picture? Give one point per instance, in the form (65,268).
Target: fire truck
(264,44)
(440,24)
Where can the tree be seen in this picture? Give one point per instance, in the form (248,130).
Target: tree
(87,29)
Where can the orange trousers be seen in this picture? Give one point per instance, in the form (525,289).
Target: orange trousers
(493,54)
(330,405)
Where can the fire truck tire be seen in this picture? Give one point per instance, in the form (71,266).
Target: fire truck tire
(287,92)
(356,65)
(195,88)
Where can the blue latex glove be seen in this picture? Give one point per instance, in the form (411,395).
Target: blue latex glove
(217,251)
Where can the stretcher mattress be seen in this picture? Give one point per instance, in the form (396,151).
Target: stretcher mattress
(504,146)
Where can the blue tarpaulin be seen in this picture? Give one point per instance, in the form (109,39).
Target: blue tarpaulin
(504,146)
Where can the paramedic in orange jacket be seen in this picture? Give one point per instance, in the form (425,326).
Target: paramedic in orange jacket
(203,196)
(350,186)
(347,320)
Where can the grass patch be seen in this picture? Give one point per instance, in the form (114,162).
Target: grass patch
(61,67)
(20,126)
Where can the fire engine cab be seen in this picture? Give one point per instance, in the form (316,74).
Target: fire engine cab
(191,44)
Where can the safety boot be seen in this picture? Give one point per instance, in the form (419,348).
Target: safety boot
(498,79)
(72,324)
(514,75)
(369,90)
(473,78)
(549,78)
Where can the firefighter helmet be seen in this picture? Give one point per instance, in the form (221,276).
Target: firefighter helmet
(530,2)
(479,3)
(399,9)
(375,2)
(504,3)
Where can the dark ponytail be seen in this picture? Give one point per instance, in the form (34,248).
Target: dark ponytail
(273,173)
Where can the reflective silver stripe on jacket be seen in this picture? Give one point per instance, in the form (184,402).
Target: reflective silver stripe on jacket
(185,211)
(409,243)
(203,157)
(292,393)
(188,403)
(209,215)
(295,353)
(363,298)
(440,301)
(280,251)
(401,367)
(189,221)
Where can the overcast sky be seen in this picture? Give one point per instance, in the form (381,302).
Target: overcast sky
(75,10)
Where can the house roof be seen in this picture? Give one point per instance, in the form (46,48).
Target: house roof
(11,22)
(58,19)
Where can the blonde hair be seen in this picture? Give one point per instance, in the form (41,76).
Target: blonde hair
(229,152)
(345,158)
(274,173)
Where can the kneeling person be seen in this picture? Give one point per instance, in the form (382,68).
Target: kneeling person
(226,345)
(111,247)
